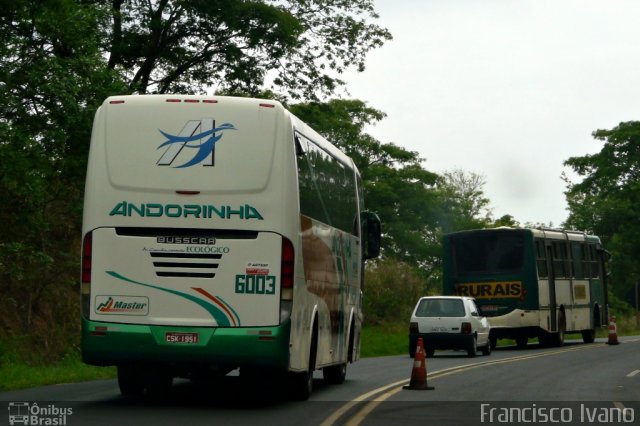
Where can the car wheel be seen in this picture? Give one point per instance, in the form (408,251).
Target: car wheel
(473,348)
(486,350)
(494,341)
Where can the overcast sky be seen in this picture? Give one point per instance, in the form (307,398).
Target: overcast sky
(508,89)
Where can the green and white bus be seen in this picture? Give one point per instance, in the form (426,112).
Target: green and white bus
(530,282)
(220,233)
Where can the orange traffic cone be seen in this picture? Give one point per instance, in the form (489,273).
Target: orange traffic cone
(419,371)
(613,331)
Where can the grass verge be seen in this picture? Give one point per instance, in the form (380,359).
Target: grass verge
(15,374)
(384,340)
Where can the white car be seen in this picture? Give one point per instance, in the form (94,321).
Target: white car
(449,322)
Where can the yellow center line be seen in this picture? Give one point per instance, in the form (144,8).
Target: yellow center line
(397,386)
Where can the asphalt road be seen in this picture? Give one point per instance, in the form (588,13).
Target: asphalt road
(585,381)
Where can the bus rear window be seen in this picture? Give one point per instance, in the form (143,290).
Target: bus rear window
(487,253)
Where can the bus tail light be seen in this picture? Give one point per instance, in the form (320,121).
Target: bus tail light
(286,279)
(85,284)
(286,266)
(465,328)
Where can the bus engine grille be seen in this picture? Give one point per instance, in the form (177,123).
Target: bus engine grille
(185,265)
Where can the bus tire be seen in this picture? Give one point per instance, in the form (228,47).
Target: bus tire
(521,342)
(335,374)
(558,337)
(589,335)
(430,352)
(302,382)
(130,380)
(159,383)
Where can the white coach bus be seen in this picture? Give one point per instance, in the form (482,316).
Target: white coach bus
(220,233)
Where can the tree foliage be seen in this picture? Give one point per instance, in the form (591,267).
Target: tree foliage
(59,59)
(51,80)
(300,46)
(464,200)
(416,206)
(606,201)
(396,186)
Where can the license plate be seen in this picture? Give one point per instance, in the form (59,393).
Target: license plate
(188,338)
(439,329)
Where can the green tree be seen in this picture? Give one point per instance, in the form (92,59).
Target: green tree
(606,201)
(59,59)
(465,205)
(416,206)
(300,46)
(52,78)
(396,186)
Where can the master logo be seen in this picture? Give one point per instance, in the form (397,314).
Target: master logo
(122,305)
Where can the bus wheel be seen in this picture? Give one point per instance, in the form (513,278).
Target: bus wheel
(589,336)
(302,383)
(159,383)
(521,341)
(558,338)
(430,352)
(130,380)
(336,374)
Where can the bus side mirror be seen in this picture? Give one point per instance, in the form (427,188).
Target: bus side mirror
(371,233)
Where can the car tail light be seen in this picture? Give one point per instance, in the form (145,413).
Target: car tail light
(413,328)
(465,328)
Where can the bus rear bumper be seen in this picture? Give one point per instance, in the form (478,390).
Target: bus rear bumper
(114,344)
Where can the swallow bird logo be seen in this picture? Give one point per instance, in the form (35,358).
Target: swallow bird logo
(198,136)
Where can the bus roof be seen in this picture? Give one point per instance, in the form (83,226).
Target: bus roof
(549,233)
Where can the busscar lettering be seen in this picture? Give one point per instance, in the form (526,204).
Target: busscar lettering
(494,290)
(185,240)
(243,212)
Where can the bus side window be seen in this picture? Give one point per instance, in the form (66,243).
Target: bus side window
(593,262)
(578,260)
(560,259)
(541,259)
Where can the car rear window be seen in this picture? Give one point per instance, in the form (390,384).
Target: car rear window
(440,308)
